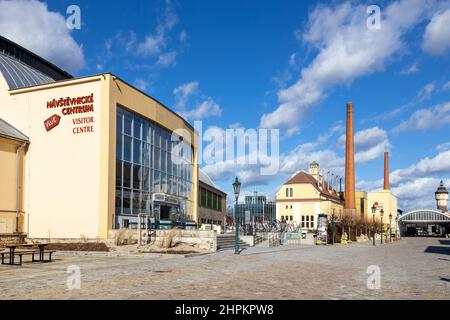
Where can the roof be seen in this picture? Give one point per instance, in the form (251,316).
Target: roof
(305,178)
(8,131)
(203,177)
(442,189)
(22,68)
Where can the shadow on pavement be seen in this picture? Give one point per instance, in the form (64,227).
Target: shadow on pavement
(445,242)
(439,250)
(445,279)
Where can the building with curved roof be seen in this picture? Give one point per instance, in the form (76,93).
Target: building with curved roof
(100,154)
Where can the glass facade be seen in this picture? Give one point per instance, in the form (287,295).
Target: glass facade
(150,161)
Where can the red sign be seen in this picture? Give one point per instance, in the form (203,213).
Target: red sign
(52,122)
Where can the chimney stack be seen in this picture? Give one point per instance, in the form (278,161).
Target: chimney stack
(386,171)
(350,201)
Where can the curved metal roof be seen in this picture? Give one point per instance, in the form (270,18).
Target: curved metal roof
(425,216)
(20,75)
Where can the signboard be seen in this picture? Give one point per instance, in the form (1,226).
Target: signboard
(247,216)
(78,109)
(52,122)
(162,197)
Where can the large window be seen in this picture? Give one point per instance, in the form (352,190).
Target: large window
(148,161)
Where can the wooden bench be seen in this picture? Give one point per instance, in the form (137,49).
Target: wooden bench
(42,254)
(18,253)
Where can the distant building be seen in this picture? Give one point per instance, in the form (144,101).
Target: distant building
(306,195)
(441,196)
(258,207)
(212,202)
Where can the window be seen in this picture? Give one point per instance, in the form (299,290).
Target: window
(144,154)
(312,225)
(291,218)
(291,192)
(220,203)
(291,206)
(287,192)
(286,207)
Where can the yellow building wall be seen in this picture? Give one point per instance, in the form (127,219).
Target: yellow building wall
(362,206)
(9,189)
(305,201)
(388,201)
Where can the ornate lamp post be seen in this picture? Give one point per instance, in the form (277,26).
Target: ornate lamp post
(237,190)
(381,215)
(390,227)
(374,210)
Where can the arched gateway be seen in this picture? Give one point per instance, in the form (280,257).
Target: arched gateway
(424,223)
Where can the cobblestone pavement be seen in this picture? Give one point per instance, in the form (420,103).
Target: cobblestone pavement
(414,268)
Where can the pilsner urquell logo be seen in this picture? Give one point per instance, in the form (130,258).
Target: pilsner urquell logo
(52,122)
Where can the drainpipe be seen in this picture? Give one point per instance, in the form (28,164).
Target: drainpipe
(17,186)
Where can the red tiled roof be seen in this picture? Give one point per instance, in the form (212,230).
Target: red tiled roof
(305,178)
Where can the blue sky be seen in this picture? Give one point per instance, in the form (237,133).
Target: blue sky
(288,65)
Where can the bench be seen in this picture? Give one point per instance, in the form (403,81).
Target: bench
(18,253)
(50,252)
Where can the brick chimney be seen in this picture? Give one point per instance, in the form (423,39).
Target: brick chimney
(350,161)
(386,171)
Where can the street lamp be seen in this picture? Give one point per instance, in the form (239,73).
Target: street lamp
(390,227)
(374,210)
(237,190)
(381,215)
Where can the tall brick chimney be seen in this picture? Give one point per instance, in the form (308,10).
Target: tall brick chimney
(350,161)
(386,171)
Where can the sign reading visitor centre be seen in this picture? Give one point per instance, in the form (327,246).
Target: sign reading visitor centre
(73,106)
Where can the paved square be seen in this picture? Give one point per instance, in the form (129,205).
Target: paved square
(414,268)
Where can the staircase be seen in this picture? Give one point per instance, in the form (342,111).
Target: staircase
(226,242)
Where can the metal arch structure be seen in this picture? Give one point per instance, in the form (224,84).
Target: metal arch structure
(424,216)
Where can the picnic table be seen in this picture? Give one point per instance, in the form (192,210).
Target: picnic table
(12,252)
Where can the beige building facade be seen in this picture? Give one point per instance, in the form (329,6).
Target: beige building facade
(387,201)
(100,152)
(306,195)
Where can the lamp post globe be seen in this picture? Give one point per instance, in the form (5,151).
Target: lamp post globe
(237,190)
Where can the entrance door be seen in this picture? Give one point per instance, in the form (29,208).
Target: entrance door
(164,212)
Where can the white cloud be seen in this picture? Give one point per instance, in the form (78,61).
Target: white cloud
(205,109)
(415,185)
(443,147)
(369,144)
(141,84)
(446,86)
(189,95)
(347,49)
(155,42)
(439,165)
(414,68)
(434,117)
(436,39)
(31,24)
(417,193)
(426,92)
(167,59)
